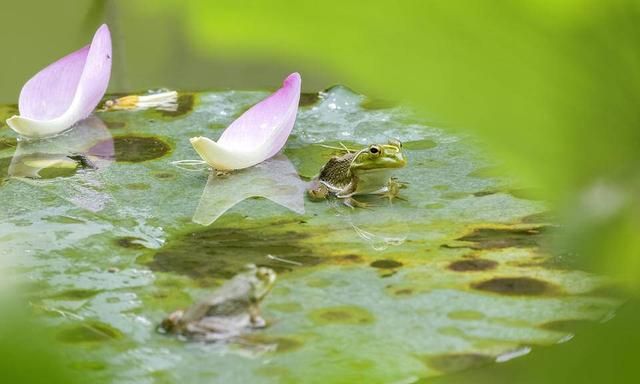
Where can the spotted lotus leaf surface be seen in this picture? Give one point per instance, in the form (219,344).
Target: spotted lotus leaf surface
(456,274)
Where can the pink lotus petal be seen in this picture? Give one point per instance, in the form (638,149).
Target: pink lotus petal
(66,91)
(258,134)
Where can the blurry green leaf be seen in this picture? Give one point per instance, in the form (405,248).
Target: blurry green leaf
(552,87)
(26,353)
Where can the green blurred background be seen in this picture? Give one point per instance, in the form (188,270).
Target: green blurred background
(152,49)
(551,87)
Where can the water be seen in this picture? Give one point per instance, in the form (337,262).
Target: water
(455,276)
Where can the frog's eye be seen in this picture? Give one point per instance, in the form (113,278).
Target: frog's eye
(374,150)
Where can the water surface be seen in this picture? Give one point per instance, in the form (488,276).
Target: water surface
(100,224)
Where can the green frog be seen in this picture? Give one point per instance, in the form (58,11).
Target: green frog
(228,312)
(362,172)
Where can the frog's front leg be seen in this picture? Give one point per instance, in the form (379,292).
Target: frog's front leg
(202,327)
(392,189)
(353,203)
(254,317)
(318,191)
(223,173)
(346,195)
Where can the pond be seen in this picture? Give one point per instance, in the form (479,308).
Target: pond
(112,235)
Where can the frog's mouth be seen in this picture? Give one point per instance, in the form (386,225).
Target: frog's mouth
(398,161)
(384,163)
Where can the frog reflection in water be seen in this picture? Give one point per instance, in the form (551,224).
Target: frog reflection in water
(362,172)
(229,311)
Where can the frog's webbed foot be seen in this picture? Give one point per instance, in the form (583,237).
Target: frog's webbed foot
(254,317)
(318,192)
(200,328)
(353,203)
(222,173)
(392,189)
(258,322)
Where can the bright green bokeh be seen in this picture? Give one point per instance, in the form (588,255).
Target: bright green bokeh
(552,87)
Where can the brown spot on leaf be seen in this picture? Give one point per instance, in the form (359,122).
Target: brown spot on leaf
(403,291)
(455,362)
(386,264)
(472,265)
(484,193)
(223,251)
(567,326)
(514,286)
(115,124)
(137,186)
(135,149)
(75,294)
(343,315)
(348,259)
(164,175)
(497,238)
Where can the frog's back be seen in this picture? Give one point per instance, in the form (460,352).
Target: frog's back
(231,297)
(336,173)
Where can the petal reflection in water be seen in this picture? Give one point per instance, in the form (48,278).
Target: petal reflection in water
(275,179)
(53,161)
(365,224)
